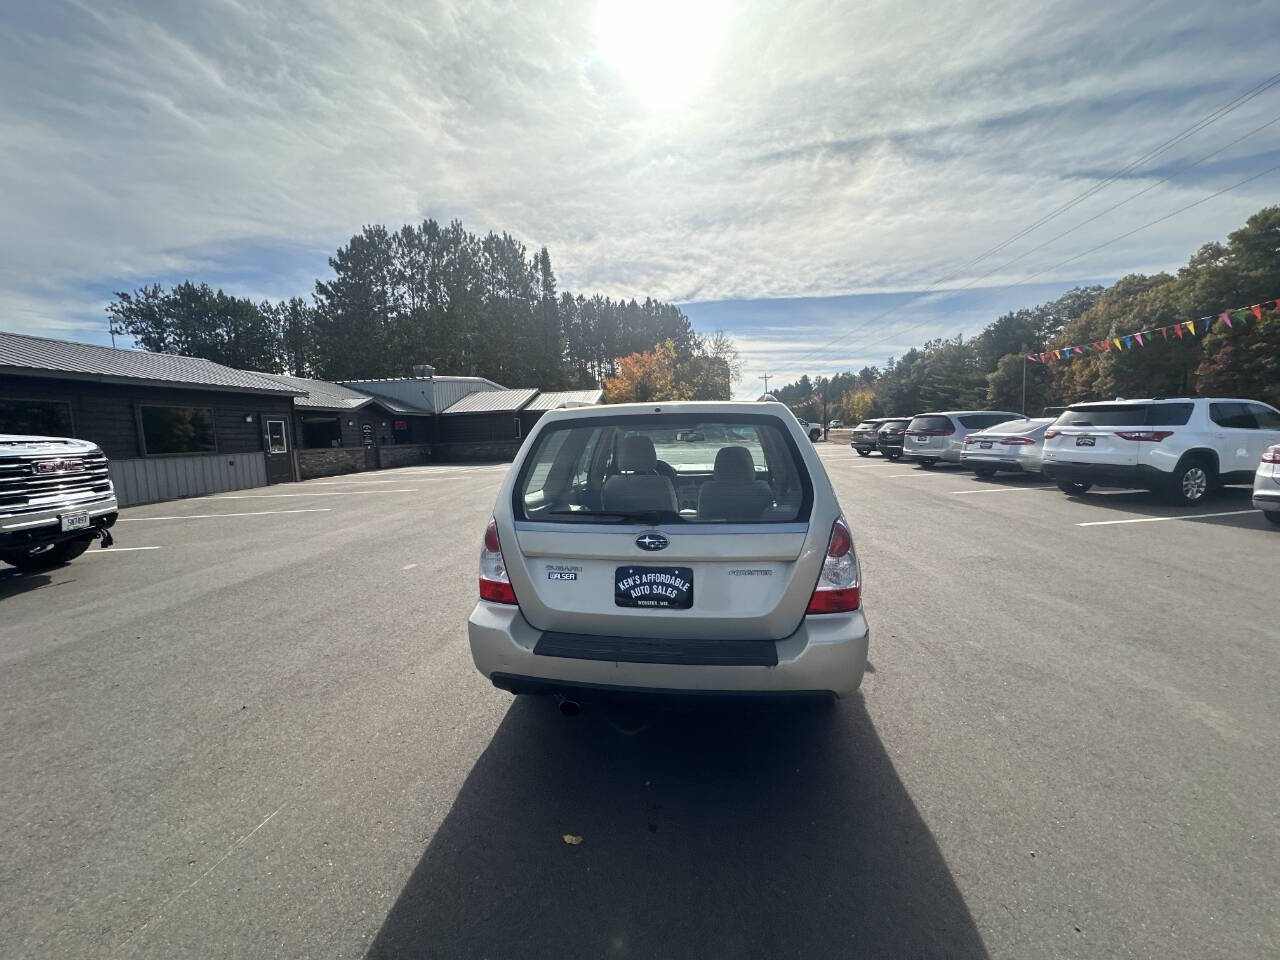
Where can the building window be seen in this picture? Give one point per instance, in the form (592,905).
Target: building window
(321,432)
(49,418)
(167,430)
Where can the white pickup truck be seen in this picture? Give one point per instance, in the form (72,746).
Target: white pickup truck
(56,498)
(812,430)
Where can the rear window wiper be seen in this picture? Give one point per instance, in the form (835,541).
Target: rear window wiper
(619,516)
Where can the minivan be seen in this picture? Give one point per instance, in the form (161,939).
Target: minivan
(621,559)
(931,437)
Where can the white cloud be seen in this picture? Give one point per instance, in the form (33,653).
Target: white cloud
(820,150)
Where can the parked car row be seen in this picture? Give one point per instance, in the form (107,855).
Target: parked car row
(1182,447)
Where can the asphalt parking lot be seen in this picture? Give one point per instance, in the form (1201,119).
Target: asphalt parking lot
(252,729)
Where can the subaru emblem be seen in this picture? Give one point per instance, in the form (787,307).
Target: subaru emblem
(652,541)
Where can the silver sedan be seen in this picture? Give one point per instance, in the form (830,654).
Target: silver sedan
(1015,445)
(1266,484)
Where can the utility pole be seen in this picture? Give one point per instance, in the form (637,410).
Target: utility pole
(1024,384)
(765,378)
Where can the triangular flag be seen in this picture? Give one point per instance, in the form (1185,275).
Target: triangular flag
(1042,358)
(1257,310)
(1241,315)
(1165,332)
(1191,325)
(1128,342)
(1119,345)
(1207,321)
(1177,328)
(1226,318)
(1139,337)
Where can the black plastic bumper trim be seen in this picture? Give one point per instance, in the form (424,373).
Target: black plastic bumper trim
(706,653)
(577,690)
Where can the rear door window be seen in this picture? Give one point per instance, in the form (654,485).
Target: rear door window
(1232,415)
(672,469)
(1127,415)
(1264,416)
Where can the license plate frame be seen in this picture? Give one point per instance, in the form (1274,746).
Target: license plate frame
(653,588)
(74,521)
(984,444)
(1086,441)
(920,439)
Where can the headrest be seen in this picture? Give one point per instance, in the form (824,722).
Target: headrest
(636,455)
(735,463)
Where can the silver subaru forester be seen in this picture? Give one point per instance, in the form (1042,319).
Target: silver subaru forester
(689,548)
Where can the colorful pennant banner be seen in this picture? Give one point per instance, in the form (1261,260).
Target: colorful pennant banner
(1127,341)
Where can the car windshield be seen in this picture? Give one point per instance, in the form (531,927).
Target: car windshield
(867,425)
(673,469)
(1127,415)
(934,422)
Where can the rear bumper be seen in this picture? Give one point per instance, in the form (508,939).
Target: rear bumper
(826,655)
(40,527)
(1017,464)
(949,453)
(1139,476)
(1267,500)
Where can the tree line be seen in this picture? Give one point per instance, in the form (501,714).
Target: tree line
(986,371)
(468,305)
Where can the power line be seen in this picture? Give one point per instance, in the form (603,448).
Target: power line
(1210,118)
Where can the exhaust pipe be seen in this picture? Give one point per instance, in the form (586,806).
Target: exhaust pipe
(569,708)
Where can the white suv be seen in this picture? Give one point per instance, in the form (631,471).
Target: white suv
(1180,446)
(621,558)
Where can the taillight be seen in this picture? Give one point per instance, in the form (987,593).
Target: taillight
(1017,441)
(969,439)
(1271,455)
(1051,433)
(1153,435)
(839,588)
(495,586)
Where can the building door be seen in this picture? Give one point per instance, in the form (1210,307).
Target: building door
(275,444)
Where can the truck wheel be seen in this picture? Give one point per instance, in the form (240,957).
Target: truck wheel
(1074,488)
(863,453)
(46,558)
(1191,482)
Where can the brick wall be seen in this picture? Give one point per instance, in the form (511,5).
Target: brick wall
(329,462)
(479,451)
(404,454)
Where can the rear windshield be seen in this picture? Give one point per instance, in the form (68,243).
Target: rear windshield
(1127,415)
(931,423)
(1014,426)
(977,421)
(893,424)
(742,468)
(868,425)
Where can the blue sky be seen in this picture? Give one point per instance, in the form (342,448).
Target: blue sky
(795,173)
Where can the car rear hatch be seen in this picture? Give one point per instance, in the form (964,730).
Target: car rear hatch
(736,560)
(1111,434)
(928,434)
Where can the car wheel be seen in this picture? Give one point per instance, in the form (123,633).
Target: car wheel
(1273,516)
(894,456)
(927,463)
(985,472)
(815,435)
(46,558)
(863,453)
(1191,483)
(1075,488)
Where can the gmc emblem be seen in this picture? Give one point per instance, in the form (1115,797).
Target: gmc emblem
(59,466)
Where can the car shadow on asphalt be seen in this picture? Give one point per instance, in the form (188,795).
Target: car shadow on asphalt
(14,582)
(1145,503)
(727,831)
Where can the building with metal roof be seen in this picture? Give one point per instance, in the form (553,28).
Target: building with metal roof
(565,398)
(430,394)
(492,401)
(25,355)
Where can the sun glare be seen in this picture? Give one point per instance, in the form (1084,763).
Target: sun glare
(663,48)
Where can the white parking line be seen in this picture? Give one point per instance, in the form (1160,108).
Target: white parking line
(918,473)
(965,493)
(408,566)
(98,553)
(219,516)
(323,493)
(1189,516)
